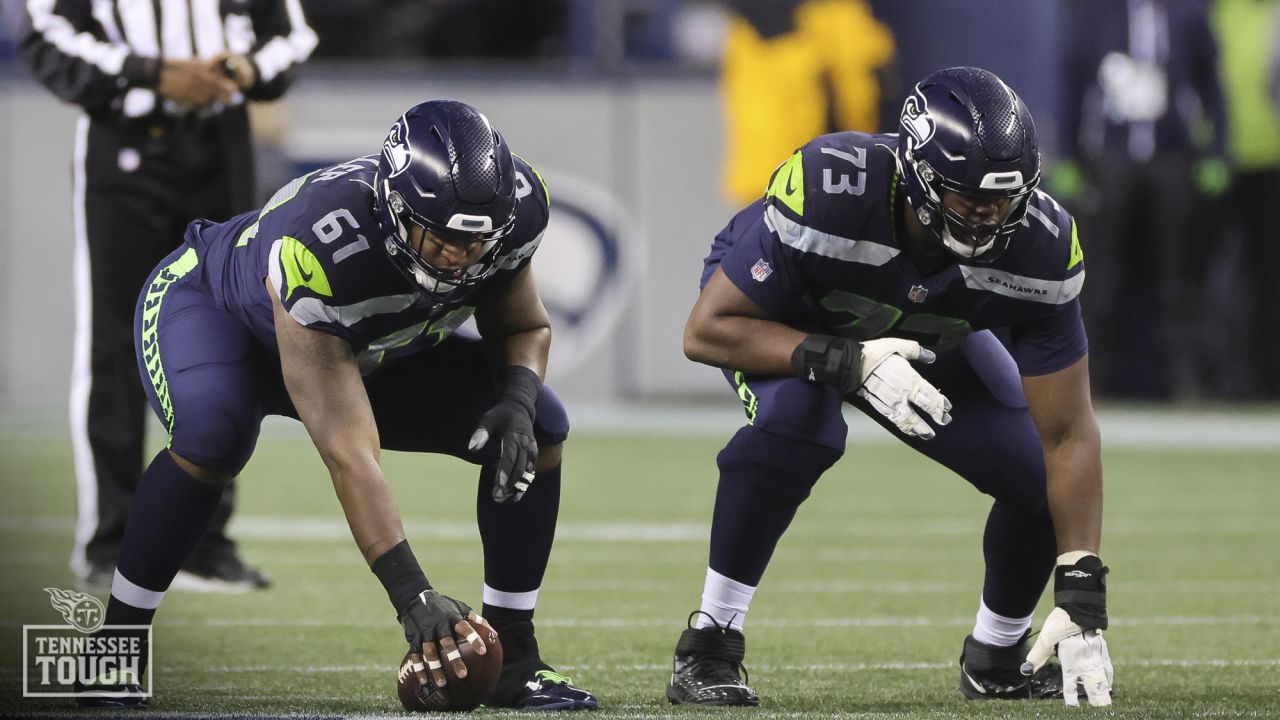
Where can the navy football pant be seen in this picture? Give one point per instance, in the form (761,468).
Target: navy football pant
(796,432)
(211,382)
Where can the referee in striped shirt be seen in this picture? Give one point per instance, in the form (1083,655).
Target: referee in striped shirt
(164,139)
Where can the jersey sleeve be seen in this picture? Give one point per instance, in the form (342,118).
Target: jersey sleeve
(321,263)
(813,209)
(764,269)
(533,213)
(1057,340)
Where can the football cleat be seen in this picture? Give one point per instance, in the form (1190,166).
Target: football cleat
(531,684)
(706,666)
(112,695)
(218,571)
(991,672)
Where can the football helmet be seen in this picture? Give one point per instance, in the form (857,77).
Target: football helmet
(964,130)
(444,168)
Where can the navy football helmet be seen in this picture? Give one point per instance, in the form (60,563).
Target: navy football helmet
(964,130)
(444,168)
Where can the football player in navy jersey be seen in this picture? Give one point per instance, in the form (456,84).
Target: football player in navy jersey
(876,272)
(337,304)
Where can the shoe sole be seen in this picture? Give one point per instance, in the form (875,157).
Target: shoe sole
(675,699)
(190,582)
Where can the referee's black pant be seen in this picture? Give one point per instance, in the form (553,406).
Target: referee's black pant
(137,183)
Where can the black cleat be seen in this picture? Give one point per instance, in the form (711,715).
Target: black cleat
(97,580)
(220,570)
(990,672)
(531,684)
(114,696)
(706,665)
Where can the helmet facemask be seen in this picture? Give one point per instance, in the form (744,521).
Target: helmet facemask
(438,281)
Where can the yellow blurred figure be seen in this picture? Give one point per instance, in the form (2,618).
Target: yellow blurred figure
(794,69)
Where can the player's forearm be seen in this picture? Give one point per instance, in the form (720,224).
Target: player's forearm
(751,345)
(370,509)
(1074,469)
(528,348)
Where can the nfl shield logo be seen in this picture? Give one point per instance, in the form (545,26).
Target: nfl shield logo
(761,270)
(917,293)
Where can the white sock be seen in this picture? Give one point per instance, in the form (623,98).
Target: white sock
(510,600)
(725,601)
(998,630)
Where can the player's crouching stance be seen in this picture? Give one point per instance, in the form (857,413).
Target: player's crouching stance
(867,249)
(337,304)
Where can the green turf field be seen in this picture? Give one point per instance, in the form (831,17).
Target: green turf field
(861,614)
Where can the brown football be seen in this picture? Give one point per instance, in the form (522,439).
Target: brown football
(457,695)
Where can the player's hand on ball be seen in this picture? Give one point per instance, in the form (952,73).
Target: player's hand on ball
(431,623)
(1084,657)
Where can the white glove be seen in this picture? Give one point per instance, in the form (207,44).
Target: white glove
(1084,657)
(892,386)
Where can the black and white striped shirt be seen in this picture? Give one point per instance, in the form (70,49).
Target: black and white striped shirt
(105,55)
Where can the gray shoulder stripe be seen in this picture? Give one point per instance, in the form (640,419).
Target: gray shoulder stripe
(310,311)
(1020,287)
(806,239)
(1035,213)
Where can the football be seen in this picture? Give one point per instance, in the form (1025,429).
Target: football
(457,695)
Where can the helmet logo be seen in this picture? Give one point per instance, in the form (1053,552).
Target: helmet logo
(396,147)
(916,119)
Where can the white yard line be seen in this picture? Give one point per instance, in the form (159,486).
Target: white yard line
(806,622)
(762,667)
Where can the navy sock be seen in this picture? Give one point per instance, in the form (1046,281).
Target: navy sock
(170,512)
(1020,552)
(763,479)
(517,536)
(515,631)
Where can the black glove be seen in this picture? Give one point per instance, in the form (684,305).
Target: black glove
(830,360)
(430,617)
(1081,590)
(511,420)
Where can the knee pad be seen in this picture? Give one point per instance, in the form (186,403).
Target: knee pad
(551,423)
(215,439)
(785,464)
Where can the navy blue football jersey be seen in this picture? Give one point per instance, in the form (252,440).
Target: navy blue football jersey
(821,254)
(319,242)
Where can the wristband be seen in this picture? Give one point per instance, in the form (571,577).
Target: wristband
(1081,590)
(398,571)
(521,385)
(828,360)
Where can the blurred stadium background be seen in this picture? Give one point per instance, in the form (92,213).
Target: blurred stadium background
(618,103)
